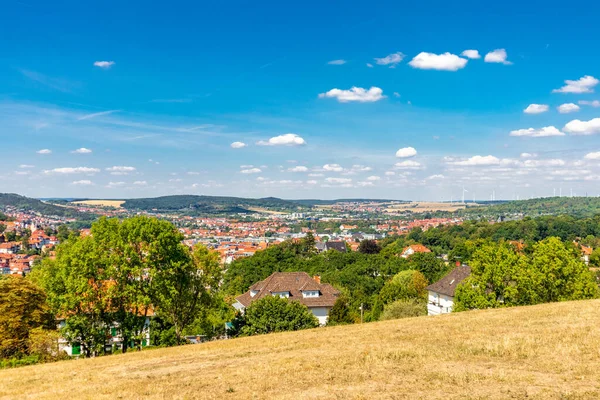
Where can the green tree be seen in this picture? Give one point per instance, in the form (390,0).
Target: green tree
(369,247)
(429,265)
(408,284)
(23,308)
(561,275)
(405,308)
(2,228)
(183,290)
(340,312)
(275,314)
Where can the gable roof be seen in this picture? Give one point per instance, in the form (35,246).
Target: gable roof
(447,285)
(417,248)
(339,246)
(294,283)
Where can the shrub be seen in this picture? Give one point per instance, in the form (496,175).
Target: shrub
(404,309)
(275,314)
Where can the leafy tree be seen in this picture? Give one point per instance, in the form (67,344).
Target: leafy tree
(275,314)
(340,312)
(429,265)
(408,284)
(501,277)
(404,308)
(23,308)
(561,275)
(369,247)
(184,289)
(2,228)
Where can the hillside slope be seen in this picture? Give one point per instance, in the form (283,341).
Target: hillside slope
(539,352)
(35,205)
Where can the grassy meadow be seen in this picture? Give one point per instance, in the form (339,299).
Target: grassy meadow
(547,351)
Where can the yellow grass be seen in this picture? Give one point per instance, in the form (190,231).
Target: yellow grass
(425,206)
(101,203)
(541,352)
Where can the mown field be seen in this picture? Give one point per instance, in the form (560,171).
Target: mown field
(540,352)
(101,203)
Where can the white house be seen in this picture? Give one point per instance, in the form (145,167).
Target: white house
(441,293)
(114,341)
(295,286)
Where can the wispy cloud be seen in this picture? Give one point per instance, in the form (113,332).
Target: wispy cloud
(104,64)
(171,101)
(98,114)
(59,84)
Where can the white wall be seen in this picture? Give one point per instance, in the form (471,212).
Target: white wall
(322,313)
(439,303)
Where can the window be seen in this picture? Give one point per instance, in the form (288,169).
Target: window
(310,293)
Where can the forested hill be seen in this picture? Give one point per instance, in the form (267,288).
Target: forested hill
(576,206)
(210,204)
(29,204)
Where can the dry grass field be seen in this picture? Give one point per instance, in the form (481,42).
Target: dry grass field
(541,352)
(425,206)
(101,203)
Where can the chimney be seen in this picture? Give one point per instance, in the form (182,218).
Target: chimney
(317,278)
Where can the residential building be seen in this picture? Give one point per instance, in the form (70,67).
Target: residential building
(441,293)
(331,245)
(295,286)
(414,248)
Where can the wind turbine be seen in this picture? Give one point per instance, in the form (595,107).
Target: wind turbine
(463,194)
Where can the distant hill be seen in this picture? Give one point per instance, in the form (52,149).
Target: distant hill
(317,202)
(576,206)
(35,205)
(191,204)
(547,351)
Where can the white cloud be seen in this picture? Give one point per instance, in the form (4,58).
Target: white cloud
(390,173)
(440,62)
(238,145)
(406,152)
(374,178)
(365,183)
(140,183)
(44,151)
(288,139)
(355,94)
(337,62)
(315,175)
(543,132)
(26,166)
(577,127)
(594,103)
(408,164)
(369,65)
(98,114)
(312,182)
(299,168)
(338,180)
(82,150)
(396,94)
(567,108)
(251,171)
(473,54)
(544,163)
(360,168)
(438,176)
(391,59)
(115,184)
(536,109)
(333,167)
(104,64)
(120,170)
(584,84)
(72,170)
(593,156)
(478,160)
(497,56)
(528,155)
(83,182)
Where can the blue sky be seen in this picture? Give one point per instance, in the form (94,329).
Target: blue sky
(146,98)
